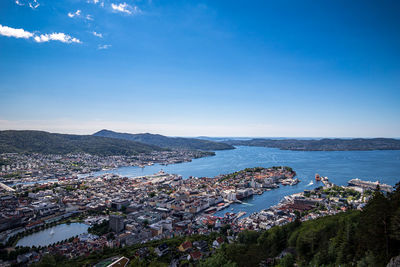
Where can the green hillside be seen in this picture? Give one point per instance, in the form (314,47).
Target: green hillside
(52,143)
(355,238)
(167,142)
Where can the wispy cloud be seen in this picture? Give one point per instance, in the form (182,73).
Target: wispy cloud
(101,3)
(35,4)
(74,14)
(12,32)
(62,37)
(31,3)
(102,47)
(78,13)
(136,10)
(89,17)
(125,8)
(39,38)
(97,34)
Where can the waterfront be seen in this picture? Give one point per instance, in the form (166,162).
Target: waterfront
(250,196)
(339,166)
(53,235)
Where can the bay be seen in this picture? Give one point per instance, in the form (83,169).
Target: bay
(338,166)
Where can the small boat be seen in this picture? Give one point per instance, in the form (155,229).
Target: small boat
(311,183)
(52,232)
(295,181)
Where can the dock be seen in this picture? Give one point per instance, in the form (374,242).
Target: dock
(368,185)
(6,187)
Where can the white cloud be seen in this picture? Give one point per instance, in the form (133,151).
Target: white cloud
(31,3)
(96,2)
(35,4)
(125,8)
(12,32)
(97,34)
(40,38)
(62,37)
(76,13)
(102,47)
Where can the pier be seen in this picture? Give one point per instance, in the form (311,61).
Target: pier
(6,187)
(370,185)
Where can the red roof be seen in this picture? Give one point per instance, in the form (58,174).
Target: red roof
(220,240)
(196,255)
(186,245)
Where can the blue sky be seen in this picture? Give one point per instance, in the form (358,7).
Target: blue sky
(190,68)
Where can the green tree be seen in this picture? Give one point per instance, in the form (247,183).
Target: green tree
(217,260)
(287,261)
(46,261)
(374,229)
(248,237)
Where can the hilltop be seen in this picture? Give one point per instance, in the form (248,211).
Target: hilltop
(165,141)
(323,144)
(54,143)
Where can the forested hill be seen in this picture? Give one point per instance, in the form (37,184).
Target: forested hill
(165,141)
(355,238)
(323,144)
(53,143)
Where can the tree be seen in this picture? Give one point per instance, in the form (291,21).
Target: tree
(46,261)
(287,261)
(217,260)
(224,229)
(374,229)
(248,237)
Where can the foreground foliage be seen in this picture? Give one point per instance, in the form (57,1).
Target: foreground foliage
(363,238)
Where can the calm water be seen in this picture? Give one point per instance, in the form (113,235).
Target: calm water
(53,235)
(339,166)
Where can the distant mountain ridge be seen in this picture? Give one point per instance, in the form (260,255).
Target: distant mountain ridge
(167,142)
(54,143)
(325,144)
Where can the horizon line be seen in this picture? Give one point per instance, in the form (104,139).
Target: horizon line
(210,136)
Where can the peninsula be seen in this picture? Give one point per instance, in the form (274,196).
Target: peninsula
(326,144)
